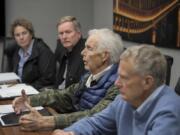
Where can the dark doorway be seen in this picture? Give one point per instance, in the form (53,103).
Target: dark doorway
(2,17)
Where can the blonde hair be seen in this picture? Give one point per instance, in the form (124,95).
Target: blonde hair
(77,25)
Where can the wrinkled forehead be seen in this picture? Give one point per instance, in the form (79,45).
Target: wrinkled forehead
(127,65)
(66,25)
(92,40)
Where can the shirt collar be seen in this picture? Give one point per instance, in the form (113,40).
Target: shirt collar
(149,101)
(29,49)
(97,76)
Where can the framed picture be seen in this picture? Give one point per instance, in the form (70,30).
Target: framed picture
(154,22)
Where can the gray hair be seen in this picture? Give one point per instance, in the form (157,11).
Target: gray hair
(147,60)
(110,41)
(72,19)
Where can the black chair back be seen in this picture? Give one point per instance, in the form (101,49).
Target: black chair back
(169,66)
(9,48)
(1,52)
(177,87)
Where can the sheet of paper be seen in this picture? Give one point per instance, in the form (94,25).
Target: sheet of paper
(4,109)
(8,77)
(7,91)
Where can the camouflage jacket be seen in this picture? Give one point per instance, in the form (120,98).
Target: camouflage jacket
(63,102)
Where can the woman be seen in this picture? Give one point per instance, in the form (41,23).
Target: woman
(33,60)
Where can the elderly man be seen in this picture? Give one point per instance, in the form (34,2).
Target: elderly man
(68,52)
(146,106)
(92,94)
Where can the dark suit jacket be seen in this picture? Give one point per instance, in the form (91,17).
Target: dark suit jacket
(75,67)
(39,69)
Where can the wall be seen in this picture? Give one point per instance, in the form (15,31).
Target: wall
(44,15)
(103,14)
(92,14)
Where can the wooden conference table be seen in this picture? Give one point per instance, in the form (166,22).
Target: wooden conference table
(15,130)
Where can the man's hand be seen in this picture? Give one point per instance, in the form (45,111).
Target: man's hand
(19,103)
(35,121)
(61,132)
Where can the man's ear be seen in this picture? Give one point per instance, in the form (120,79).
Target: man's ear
(79,34)
(148,82)
(105,56)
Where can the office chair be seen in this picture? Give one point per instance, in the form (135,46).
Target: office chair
(1,52)
(169,65)
(8,51)
(177,87)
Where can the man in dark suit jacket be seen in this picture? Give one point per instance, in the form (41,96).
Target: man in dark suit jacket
(68,52)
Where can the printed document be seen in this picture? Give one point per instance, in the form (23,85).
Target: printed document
(14,90)
(8,77)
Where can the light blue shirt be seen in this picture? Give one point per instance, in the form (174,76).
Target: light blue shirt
(24,57)
(158,115)
(147,103)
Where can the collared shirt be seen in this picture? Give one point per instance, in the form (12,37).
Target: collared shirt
(97,76)
(147,103)
(162,117)
(63,84)
(24,57)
